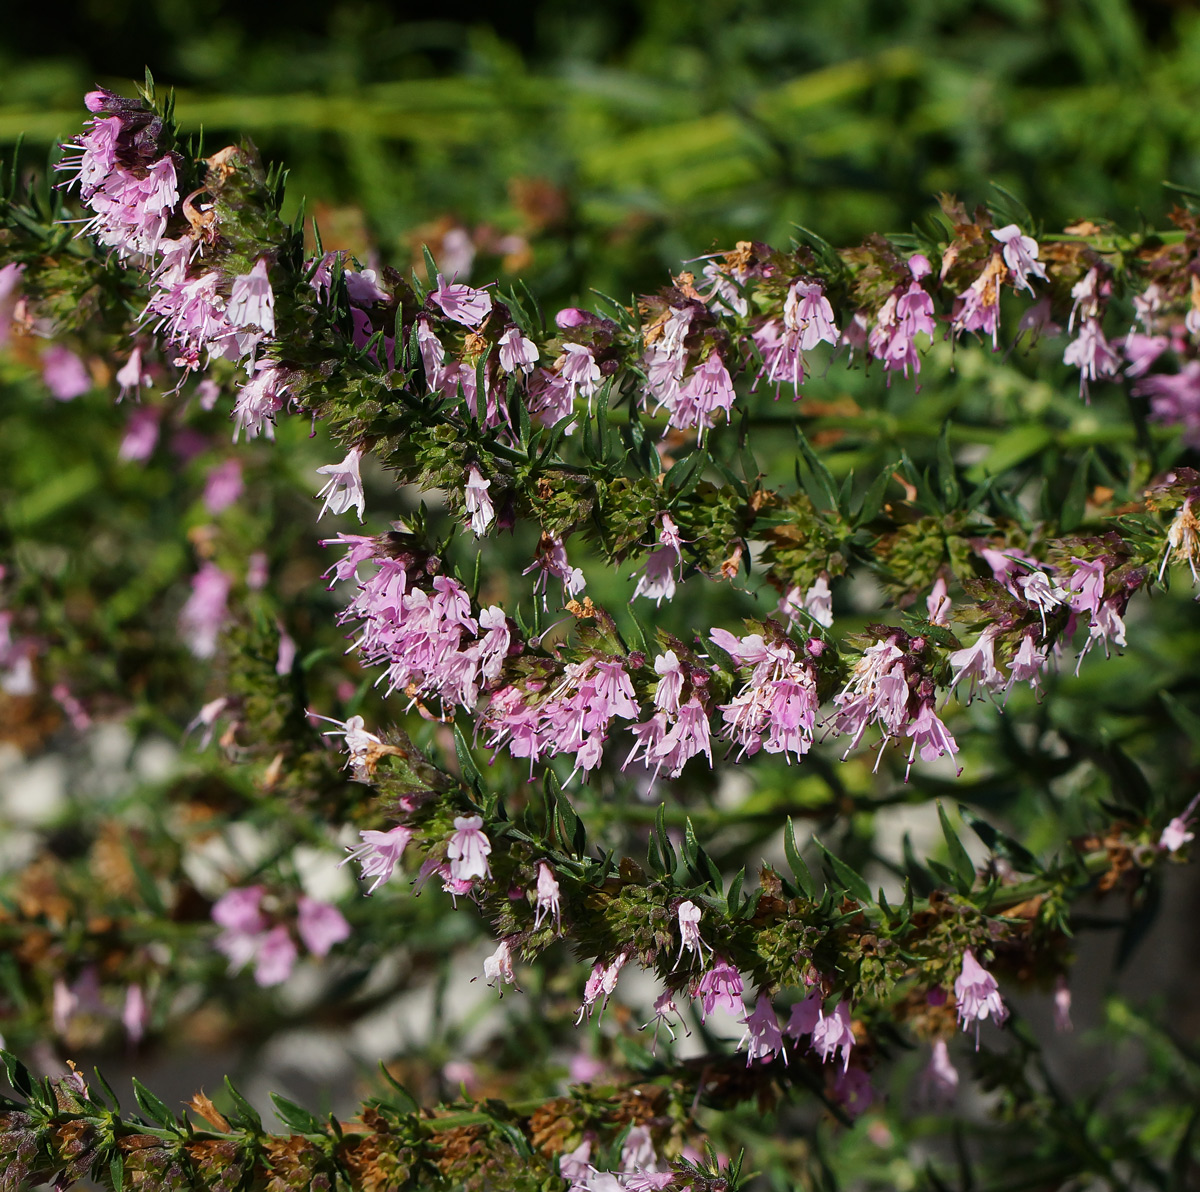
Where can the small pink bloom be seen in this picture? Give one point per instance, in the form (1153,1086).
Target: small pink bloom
(763,1033)
(479,504)
(938,1083)
(548,896)
(277,954)
(320,926)
(132,375)
(344,489)
(238,910)
(461,303)
(468,849)
(688,914)
(720,986)
(141,434)
(804,1016)
(516,352)
(977,995)
(223,486)
(498,968)
(1020,255)
(205,610)
(1062,1005)
(852,1090)
(64,373)
(380,852)
(833,1032)
(251,303)
(1175,835)
(135,1014)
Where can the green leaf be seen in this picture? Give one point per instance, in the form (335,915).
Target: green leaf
(872,501)
(18,1074)
(431,269)
(851,882)
(670,857)
(152,1107)
(295,1117)
(1076,499)
(823,488)
(801,872)
(466,762)
(1183,716)
(402,1098)
(683,476)
(960,859)
(1001,845)
(243,1114)
(947,473)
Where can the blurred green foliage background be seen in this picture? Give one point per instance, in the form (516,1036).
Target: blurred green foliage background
(616,140)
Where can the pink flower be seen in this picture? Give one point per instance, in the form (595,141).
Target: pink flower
(707,392)
(461,303)
(276,957)
(1020,255)
(1175,399)
(344,489)
(929,736)
(1142,351)
(977,995)
(601,983)
(363,289)
(977,309)
(64,373)
(688,914)
(806,311)
(498,966)
(237,910)
(905,315)
(548,905)
(833,1031)
(670,682)
(468,849)
(664,1009)
(938,1083)
(135,1014)
(762,1031)
(141,434)
(516,352)
(1177,833)
(380,852)
(817,602)
(76,712)
(663,566)
(1092,354)
(937,603)
(551,560)
(580,372)
(320,925)
(1062,1005)
(804,1016)
(852,1090)
(205,610)
(223,486)
(720,986)
(1086,585)
(978,664)
(258,401)
(132,375)
(251,303)
(638,1154)
(479,504)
